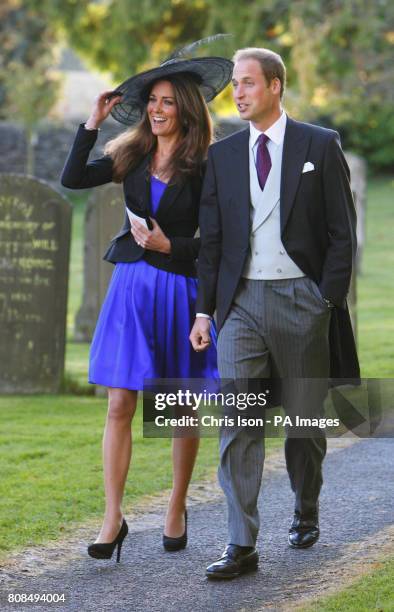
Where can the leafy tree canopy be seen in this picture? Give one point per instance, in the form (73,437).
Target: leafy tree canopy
(338,52)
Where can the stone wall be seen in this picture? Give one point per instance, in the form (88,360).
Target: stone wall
(51,146)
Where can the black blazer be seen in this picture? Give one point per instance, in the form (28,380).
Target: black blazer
(318,226)
(177,214)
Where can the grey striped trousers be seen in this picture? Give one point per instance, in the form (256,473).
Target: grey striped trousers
(274,327)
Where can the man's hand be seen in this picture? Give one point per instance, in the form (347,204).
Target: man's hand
(200,336)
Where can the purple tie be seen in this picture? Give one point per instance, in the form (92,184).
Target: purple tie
(263,160)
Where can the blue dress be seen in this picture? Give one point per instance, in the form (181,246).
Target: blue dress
(144,325)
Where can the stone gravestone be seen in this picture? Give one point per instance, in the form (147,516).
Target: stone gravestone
(103,219)
(35,227)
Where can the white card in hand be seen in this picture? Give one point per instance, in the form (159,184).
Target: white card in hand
(133,217)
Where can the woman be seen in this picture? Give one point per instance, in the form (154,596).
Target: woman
(144,324)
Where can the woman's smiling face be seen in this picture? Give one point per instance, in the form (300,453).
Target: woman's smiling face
(162,110)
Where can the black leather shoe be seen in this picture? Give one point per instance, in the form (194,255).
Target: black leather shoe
(236,560)
(304,532)
(174,544)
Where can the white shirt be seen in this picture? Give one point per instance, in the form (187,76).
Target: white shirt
(275,133)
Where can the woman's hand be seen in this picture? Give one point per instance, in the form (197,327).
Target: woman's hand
(102,107)
(154,240)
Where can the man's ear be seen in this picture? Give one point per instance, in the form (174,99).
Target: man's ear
(275,85)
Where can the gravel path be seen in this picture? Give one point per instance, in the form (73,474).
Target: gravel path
(356,530)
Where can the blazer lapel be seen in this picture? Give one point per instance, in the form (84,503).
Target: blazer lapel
(238,176)
(142,190)
(140,200)
(295,148)
(170,194)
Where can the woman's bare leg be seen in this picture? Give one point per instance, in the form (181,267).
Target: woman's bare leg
(117,443)
(184,453)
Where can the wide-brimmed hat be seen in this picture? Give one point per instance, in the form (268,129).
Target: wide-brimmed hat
(212,74)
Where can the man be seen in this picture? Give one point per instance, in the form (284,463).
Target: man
(277,225)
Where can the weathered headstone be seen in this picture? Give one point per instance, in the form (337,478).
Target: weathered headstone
(103,219)
(35,227)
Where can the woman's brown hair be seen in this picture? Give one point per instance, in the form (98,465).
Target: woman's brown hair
(129,148)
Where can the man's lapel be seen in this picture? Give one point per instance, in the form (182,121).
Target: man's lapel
(295,148)
(238,176)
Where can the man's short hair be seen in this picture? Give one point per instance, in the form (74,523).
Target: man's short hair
(271,63)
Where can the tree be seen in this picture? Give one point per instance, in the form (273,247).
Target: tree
(342,56)
(123,36)
(338,52)
(30,94)
(25,37)
(28,83)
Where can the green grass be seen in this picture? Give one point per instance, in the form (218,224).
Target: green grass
(376,284)
(372,592)
(76,364)
(78,201)
(50,465)
(375,311)
(51,476)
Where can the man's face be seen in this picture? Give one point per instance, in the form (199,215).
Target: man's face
(254,97)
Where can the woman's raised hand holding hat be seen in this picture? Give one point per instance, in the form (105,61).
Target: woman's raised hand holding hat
(102,107)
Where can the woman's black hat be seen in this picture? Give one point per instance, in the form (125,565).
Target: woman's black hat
(212,74)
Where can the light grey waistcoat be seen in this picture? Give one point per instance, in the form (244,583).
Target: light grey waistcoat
(267,258)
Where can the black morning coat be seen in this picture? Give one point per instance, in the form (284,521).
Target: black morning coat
(177,214)
(318,226)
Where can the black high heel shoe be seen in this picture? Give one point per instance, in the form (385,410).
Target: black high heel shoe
(173,544)
(105,551)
